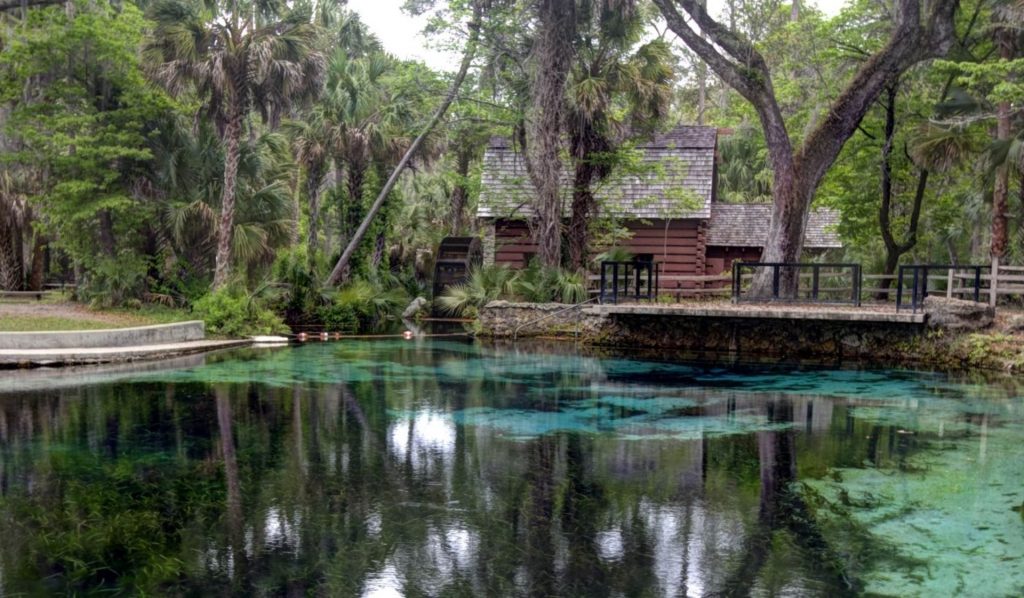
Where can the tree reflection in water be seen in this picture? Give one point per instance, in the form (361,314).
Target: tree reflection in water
(580,477)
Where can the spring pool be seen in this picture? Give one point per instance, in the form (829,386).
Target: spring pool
(395,468)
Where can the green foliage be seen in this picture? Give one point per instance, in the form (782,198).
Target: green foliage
(485,284)
(537,284)
(533,284)
(371,306)
(114,281)
(228,312)
(81,112)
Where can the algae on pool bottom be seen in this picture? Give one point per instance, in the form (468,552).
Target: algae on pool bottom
(446,468)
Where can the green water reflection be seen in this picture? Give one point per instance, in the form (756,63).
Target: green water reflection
(448,469)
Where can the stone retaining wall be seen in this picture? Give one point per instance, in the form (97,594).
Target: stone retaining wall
(161,334)
(786,338)
(822,339)
(505,319)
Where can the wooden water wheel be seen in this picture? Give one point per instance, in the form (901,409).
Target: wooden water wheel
(456,256)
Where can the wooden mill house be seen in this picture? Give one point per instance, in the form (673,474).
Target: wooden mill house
(666,202)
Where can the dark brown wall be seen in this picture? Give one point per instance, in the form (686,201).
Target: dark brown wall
(678,247)
(720,259)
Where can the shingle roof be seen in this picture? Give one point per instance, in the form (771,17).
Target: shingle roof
(746,225)
(672,179)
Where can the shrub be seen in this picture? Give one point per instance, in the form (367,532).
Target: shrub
(533,284)
(113,281)
(373,305)
(231,313)
(338,317)
(483,286)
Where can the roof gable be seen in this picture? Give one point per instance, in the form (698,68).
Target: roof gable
(746,225)
(672,177)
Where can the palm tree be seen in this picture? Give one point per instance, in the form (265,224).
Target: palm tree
(314,142)
(370,122)
(236,58)
(186,180)
(608,75)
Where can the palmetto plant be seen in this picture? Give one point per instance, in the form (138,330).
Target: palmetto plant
(236,58)
(369,124)
(187,178)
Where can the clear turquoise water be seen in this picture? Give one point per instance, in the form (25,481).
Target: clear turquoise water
(450,469)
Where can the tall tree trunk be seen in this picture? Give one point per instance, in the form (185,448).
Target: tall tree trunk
(226,225)
(895,249)
(106,234)
(583,207)
(37,273)
(340,272)
(1001,190)
(313,189)
(552,59)
(11,258)
(460,193)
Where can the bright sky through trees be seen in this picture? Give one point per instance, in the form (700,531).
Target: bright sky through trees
(401,33)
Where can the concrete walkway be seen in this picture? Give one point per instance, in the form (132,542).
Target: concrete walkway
(78,347)
(86,355)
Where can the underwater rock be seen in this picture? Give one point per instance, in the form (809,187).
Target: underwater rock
(957,314)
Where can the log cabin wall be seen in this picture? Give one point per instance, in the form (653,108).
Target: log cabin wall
(678,245)
(720,259)
(513,245)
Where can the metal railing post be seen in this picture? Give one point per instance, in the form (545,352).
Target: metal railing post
(636,276)
(899,288)
(775,281)
(913,292)
(600,296)
(650,277)
(615,283)
(977,284)
(815,275)
(736,282)
(856,285)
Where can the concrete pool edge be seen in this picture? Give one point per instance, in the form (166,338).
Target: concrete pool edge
(28,358)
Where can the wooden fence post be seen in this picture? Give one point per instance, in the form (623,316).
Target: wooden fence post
(993,292)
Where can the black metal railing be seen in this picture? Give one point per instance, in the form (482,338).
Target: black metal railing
(919,282)
(634,280)
(815,283)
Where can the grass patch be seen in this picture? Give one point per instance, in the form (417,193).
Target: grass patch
(78,319)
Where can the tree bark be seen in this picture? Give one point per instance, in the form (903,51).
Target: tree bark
(226,225)
(895,249)
(1001,190)
(583,205)
(106,234)
(37,274)
(340,272)
(798,173)
(552,61)
(313,178)
(460,194)
(12,261)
